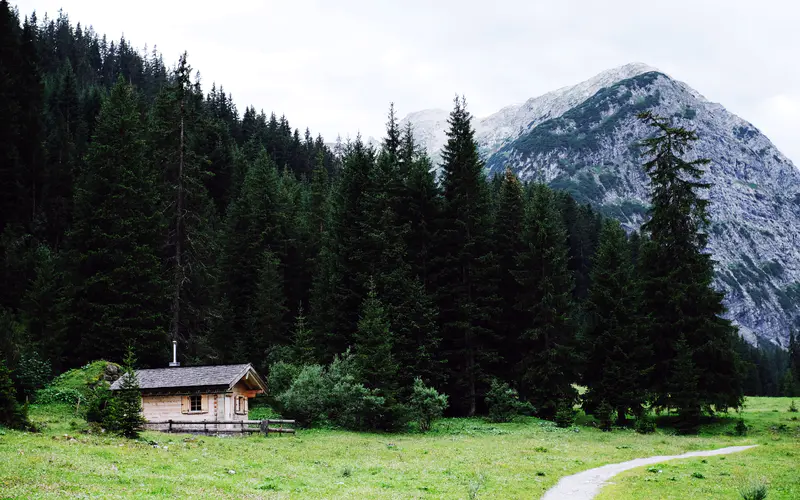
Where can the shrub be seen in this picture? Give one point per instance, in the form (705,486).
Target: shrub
(58,395)
(307,398)
(320,395)
(280,378)
(645,425)
(504,403)
(755,490)
(741,428)
(792,408)
(565,415)
(604,414)
(426,404)
(11,413)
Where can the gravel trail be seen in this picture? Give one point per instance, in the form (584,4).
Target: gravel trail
(585,485)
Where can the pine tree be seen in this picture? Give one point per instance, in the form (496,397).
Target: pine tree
(266,318)
(64,147)
(678,298)
(616,348)
(116,287)
(251,228)
(465,269)
(794,360)
(508,228)
(547,365)
(373,355)
(125,412)
(305,347)
(11,169)
(683,386)
(420,207)
(12,414)
(347,254)
(175,138)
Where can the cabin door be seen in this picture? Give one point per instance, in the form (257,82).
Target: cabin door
(228,407)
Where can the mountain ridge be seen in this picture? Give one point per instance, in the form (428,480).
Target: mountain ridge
(582,139)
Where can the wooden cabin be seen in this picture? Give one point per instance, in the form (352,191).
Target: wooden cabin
(197,393)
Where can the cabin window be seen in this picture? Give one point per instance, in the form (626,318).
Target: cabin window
(241,404)
(196,403)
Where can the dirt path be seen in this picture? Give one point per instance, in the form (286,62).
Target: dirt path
(585,485)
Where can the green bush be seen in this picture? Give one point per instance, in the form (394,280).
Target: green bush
(306,400)
(645,425)
(565,415)
(792,408)
(504,403)
(58,395)
(755,490)
(426,405)
(604,414)
(741,428)
(280,378)
(320,395)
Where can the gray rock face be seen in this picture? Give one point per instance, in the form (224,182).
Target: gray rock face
(584,139)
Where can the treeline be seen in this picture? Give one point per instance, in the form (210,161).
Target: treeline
(138,209)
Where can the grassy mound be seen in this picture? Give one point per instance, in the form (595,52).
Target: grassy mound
(79,384)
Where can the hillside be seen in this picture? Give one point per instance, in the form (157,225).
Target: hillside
(583,139)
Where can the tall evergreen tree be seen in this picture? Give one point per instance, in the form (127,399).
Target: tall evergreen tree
(616,347)
(508,229)
(117,290)
(678,297)
(546,365)
(465,268)
(191,241)
(251,228)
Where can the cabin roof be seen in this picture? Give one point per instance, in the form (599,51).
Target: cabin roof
(195,376)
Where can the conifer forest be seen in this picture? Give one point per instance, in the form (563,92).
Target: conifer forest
(140,206)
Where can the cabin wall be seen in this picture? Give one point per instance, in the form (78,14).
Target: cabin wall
(156,408)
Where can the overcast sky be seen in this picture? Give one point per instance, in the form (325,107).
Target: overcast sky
(334,66)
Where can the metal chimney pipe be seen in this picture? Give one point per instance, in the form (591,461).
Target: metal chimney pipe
(174,354)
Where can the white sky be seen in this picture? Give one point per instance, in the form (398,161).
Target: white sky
(334,66)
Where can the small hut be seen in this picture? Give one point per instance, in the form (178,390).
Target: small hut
(197,393)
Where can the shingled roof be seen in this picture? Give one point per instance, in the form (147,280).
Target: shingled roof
(192,376)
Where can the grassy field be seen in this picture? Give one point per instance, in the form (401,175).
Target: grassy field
(462,458)
(775,462)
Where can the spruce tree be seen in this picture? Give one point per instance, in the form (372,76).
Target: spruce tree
(191,242)
(508,228)
(12,414)
(794,359)
(125,410)
(374,358)
(465,277)
(615,346)
(12,193)
(420,207)
(251,228)
(678,298)
(547,361)
(266,330)
(116,287)
(347,253)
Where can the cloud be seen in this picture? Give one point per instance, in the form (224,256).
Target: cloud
(335,66)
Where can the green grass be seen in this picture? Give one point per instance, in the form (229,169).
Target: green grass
(775,461)
(461,457)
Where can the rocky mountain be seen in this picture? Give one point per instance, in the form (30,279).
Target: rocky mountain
(583,139)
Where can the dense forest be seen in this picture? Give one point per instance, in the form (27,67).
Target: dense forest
(138,208)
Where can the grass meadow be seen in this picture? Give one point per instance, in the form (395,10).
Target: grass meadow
(460,458)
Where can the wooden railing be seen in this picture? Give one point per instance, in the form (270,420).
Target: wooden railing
(222,426)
